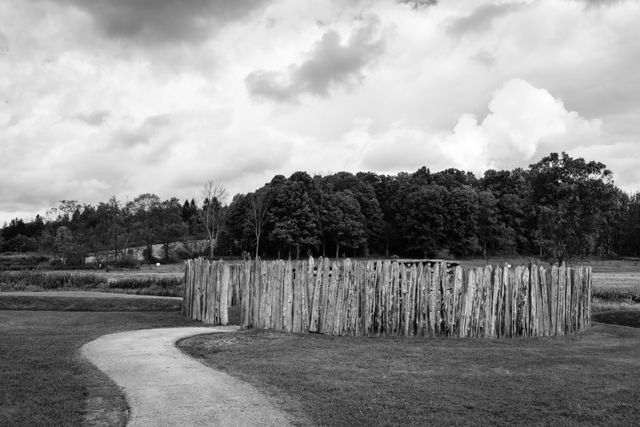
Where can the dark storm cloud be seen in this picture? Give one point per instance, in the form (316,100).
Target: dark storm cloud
(417,4)
(94,119)
(481,18)
(4,44)
(142,134)
(596,3)
(159,21)
(329,64)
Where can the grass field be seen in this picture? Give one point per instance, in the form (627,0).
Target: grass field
(588,379)
(44,381)
(135,281)
(52,303)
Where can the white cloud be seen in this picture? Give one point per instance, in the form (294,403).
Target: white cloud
(94,102)
(330,63)
(523,122)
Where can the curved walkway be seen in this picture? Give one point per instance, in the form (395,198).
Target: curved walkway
(165,387)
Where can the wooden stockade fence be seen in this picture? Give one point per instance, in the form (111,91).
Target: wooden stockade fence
(416,298)
(210,289)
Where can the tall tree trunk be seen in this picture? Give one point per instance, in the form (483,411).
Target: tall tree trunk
(257,245)
(337,250)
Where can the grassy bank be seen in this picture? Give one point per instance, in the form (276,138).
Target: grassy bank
(590,378)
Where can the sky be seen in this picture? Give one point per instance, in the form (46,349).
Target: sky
(124,97)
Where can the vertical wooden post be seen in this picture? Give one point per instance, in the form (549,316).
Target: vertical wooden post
(299,273)
(338,302)
(224,293)
(246,295)
(496,278)
(517,308)
(478,304)
(533,301)
(488,301)
(305,296)
(562,280)
(316,306)
(544,302)
(526,298)
(456,302)
(588,296)
(368,295)
(434,301)
(287,297)
(506,301)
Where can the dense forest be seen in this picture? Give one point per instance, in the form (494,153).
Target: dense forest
(557,208)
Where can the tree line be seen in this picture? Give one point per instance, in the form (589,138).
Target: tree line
(557,208)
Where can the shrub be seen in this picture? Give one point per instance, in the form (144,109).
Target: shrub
(141,283)
(617,295)
(123,263)
(42,280)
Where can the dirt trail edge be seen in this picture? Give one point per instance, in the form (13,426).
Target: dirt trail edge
(165,387)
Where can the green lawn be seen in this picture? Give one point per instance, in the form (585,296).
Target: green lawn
(590,378)
(51,303)
(43,379)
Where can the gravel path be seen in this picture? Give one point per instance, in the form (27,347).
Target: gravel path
(165,387)
(81,294)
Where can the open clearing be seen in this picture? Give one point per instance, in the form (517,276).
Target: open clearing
(166,387)
(44,379)
(589,378)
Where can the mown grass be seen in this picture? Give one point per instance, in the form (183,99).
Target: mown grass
(589,378)
(52,303)
(619,317)
(44,380)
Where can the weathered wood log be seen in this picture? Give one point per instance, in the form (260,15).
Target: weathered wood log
(305,296)
(506,301)
(413,301)
(316,305)
(341,283)
(224,297)
(434,301)
(488,301)
(395,298)
(534,286)
(457,302)
(562,280)
(287,297)
(517,308)
(368,301)
(544,302)
(496,278)
(478,303)
(299,274)
(247,294)
(526,298)
(356,291)
(329,318)
(589,296)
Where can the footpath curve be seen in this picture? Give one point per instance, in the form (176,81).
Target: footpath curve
(165,387)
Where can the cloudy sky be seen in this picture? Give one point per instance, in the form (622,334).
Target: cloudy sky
(122,97)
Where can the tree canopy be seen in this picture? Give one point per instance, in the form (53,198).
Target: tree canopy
(559,207)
